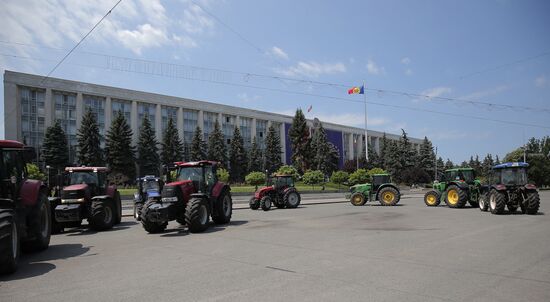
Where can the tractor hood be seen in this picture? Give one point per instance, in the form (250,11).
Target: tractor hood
(261,192)
(75,193)
(179,183)
(76,187)
(360,187)
(153,193)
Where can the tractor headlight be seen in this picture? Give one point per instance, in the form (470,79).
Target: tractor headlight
(77,200)
(170,199)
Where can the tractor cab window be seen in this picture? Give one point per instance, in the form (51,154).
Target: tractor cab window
(468,176)
(83,177)
(210,177)
(513,176)
(378,180)
(150,185)
(193,174)
(282,182)
(13,170)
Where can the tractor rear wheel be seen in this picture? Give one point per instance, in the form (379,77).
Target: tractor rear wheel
(432,198)
(483,202)
(497,202)
(150,226)
(358,199)
(40,230)
(388,196)
(265,203)
(197,215)
(254,203)
(532,202)
(103,215)
(224,209)
(118,204)
(456,197)
(291,199)
(9,241)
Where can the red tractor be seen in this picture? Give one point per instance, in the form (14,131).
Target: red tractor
(191,199)
(282,194)
(86,195)
(25,216)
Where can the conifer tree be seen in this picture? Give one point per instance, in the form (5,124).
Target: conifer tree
(255,164)
(55,151)
(148,157)
(119,152)
(383,152)
(89,139)
(300,141)
(238,160)
(216,146)
(320,149)
(172,146)
(198,146)
(272,150)
(449,164)
(426,156)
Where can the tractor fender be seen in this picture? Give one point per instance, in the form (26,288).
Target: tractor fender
(385,186)
(262,192)
(102,197)
(218,189)
(484,189)
(530,187)
(111,191)
(460,184)
(498,187)
(289,189)
(30,191)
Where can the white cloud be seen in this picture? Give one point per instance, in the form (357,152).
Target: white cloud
(279,53)
(406,61)
(485,93)
(541,81)
(408,71)
(374,69)
(436,92)
(245,98)
(312,69)
(145,36)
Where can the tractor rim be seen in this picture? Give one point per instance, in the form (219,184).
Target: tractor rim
(108,215)
(388,197)
(135,213)
(431,199)
(293,199)
(14,239)
(481,202)
(203,214)
(357,199)
(44,221)
(226,205)
(493,202)
(452,196)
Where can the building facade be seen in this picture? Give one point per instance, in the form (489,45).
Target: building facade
(31,105)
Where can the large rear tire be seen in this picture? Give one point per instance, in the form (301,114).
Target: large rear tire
(224,209)
(9,241)
(497,202)
(265,203)
(254,203)
(118,203)
(388,196)
(150,226)
(432,198)
(197,215)
(291,199)
(40,226)
(103,215)
(532,202)
(483,202)
(456,197)
(358,199)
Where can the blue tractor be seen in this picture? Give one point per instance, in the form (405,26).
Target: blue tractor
(149,188)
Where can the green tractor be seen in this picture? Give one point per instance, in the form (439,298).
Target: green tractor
(456,188)
(381,189)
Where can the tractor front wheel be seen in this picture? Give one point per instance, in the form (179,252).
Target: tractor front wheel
(224,209)
(118,204)
(103,215)
(456,197)
(483,202)
(497,202)
(9,241)
(358,199)
(291,199)
(388,196)
(432,198)
(265,203)
(197,215)
(254,203)
(150,226)
(532,202)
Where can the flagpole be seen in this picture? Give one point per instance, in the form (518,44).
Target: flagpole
(366,136)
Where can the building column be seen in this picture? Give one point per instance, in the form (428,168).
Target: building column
(282,136)
(12,113)
(253,130)
(108,113)
(134,121)
(179,123)
(200,121)
(158,123)
(49,109)
(79,109)
(351,145)
(220,119)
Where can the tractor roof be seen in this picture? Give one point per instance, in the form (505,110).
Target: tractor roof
(459,169)
(11,144)
(149,177)
(511,165)
(196,163)
(86,169)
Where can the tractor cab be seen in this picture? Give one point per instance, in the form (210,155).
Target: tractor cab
(93,179)
(13,172)
(281,182)
(380,179)
(466,175)
(149,186)
(202,175)
(510,174)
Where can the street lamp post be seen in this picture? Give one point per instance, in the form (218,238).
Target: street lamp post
(357,148)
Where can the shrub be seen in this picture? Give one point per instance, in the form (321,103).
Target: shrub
(289,170)
(358,177)
(313,178)
(255,179)
(34,172)
(339,177)
(373,171)
(223,175)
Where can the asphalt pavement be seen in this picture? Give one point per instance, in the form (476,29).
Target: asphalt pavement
(317,252)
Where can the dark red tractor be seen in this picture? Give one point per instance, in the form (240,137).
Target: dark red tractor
(191,199)
(25,216)
(86,195)
(281,193)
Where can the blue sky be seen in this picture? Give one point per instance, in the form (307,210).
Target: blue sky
(418,47)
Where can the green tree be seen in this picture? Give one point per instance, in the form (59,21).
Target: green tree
(223,175)
(440,165)
(324,153)
(449,164)
(89,139)
(148,157)
(376,170)
(289,170)
(407,155)
(300,141)
(272,150)
(255,179)
(55,151)
(34,172)
(384,151)
(119,152)
(358,177)
(426,156)
(313,178)
(172,146)
(339,177)
(255,162)
(393,159)
(374,158)
(487,165)
(216,146)
(198,146)
(238,159)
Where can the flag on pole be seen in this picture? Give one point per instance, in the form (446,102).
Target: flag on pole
(357,90)
(310,107)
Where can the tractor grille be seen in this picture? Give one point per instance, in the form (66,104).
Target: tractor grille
(72,194)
